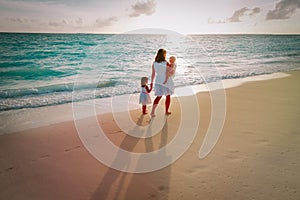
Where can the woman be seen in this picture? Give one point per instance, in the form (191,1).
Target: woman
(159,68)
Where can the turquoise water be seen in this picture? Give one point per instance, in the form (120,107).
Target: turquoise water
(45,69)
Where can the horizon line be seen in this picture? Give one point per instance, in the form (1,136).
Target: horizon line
(143,33)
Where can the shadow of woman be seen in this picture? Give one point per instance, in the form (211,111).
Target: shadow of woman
(152,185)
(122,185)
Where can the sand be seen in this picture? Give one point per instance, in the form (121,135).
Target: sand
(256,157)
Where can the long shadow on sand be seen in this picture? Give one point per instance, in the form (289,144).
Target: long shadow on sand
(117,185)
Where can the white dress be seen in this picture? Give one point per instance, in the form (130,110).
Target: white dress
(160,88)
(144,97)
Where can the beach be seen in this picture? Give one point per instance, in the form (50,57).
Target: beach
(256,156)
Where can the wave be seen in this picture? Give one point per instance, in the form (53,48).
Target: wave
(32,74)
(35,73)
(102,84)
(56,88)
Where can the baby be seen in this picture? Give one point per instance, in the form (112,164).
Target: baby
(171,68)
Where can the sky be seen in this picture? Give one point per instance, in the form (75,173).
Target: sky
(120,16)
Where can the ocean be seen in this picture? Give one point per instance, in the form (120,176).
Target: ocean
(42,70)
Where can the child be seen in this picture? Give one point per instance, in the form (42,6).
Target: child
(171,68)
(144,96)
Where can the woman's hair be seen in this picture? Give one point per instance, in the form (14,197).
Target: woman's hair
(160,56)
(144,81)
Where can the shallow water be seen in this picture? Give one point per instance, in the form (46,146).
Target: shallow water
(39,70)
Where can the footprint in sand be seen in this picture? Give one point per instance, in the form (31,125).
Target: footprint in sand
(114,132)
(162,188)
(72,149)
(9,169)
(152,196)
(263,142)
(195,170)
(248,132)
(233,151)
(201,168)
(45,156)
(233,154)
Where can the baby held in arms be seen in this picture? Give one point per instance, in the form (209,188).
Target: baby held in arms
(171,68)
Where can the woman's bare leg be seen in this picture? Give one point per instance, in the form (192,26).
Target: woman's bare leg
(168,101)
(155,103)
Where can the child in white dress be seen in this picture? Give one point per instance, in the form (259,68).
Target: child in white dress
(144,95)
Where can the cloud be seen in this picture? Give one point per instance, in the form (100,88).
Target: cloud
(102,22)
(283,10)
(79,21)
(143,7)
(255,11)
(213,21)
(20,20)
(237,15)
(62,23)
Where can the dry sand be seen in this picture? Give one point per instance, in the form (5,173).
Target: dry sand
(256,157)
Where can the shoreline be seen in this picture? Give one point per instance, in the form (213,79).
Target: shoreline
(47,115)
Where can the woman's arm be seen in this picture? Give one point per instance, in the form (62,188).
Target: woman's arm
(148,89)
(167,75)
(153,74)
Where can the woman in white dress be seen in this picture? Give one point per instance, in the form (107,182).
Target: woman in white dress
(159,69)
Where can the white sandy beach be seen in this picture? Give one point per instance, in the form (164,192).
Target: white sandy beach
(256,157)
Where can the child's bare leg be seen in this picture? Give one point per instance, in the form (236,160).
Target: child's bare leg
(144,109)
